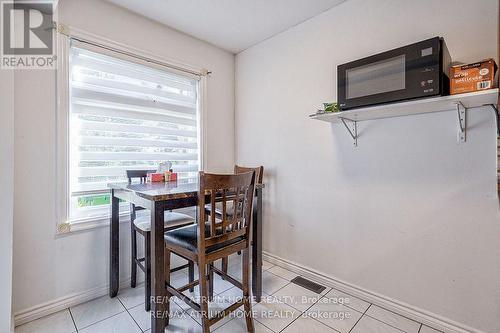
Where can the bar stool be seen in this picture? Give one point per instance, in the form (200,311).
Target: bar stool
(142,225)
(207,242)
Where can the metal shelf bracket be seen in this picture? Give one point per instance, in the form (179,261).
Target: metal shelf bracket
(462,123)
(352,128)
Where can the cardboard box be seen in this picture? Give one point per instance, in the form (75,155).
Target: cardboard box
(472,77)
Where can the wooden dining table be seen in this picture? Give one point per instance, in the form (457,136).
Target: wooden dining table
(158,198)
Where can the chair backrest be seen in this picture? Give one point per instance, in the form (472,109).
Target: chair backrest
(222,189)
(259,172)
(141,174)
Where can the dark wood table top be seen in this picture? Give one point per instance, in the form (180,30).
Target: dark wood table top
(159,191)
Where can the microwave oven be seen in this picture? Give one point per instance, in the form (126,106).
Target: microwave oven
(409,72)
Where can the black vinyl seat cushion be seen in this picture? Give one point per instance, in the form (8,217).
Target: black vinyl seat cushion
(187,237)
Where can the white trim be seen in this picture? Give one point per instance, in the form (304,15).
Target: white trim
(64,302)
(202,121)
(89,224)
(422,316)
(62,138)
(65,33)
(173,64)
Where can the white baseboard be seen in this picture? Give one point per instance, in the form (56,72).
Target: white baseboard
(59,304)
(425,317)
(65,302)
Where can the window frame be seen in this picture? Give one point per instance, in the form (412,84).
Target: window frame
(107,47)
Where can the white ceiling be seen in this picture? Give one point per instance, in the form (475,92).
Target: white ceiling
(233,25)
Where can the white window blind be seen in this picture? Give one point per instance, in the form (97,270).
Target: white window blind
(125,115)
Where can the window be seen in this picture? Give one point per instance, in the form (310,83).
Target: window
(124,114)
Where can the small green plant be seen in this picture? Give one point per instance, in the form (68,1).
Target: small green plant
(331,107)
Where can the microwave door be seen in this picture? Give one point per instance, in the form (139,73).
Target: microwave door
(380,77)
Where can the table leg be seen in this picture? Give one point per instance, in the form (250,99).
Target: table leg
(158,291)
(257,247)
(114,240)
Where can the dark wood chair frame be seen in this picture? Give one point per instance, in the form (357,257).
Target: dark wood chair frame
(259,175)
(145,263)
(233,233)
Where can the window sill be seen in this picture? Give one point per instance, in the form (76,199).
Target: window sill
(88,224)
(103,222)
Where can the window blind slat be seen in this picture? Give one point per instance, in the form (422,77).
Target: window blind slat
(113,156)
(112,66)
(127,107)
(125,115)
(124,98)
(119,171)
(98,84)
(131,142)
(112,127)
(133,114)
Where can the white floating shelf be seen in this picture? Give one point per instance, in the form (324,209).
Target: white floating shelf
(418,106)
(461,103)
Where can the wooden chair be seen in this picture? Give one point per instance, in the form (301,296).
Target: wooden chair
(259,174)
(215,239)
(142,224)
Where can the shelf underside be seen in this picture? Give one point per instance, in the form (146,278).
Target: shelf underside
(414,107)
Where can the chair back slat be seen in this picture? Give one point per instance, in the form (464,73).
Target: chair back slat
(259,172)
(141,174)
(213,227)
(237,189)
(226,237)
(224,210)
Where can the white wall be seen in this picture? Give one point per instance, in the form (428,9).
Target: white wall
(7,196)
(409,214)
(49,267)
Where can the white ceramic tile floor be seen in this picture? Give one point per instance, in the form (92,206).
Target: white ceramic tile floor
(334,315)
(143,318)
(282,310)
(426,329)
(281,272)
(272,283)
(307,324)
(393,319)
(120,323)
(59,322)
(350,301)
(369,325)
(91,312)
(132,297)
(239,325)
(298,297)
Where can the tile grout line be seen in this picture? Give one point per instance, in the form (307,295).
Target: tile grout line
(383,322)
(302,312)
(323,296)
(72,319)
(271,295)
(395,314)
(364,313)
(119,300)
(78,329)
